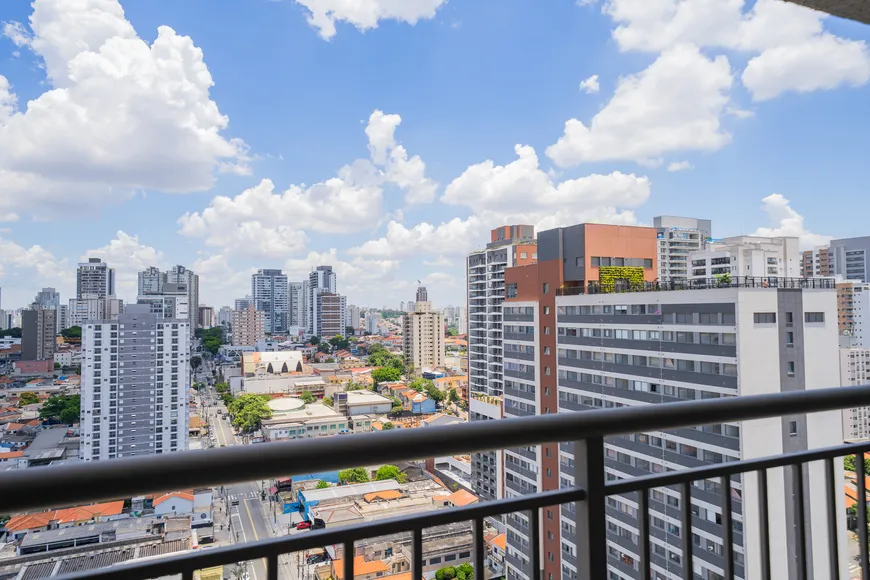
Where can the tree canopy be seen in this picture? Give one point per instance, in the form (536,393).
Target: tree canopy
(386,374)
(379,356)
(212,338)
(390,472)
(324,348)
(452,331)
(354,475)
(849,464)
(461,572)
(314,340)
(27,398)
(428,387)
(249,410)
(307,397)
(11,332)
(63,408)
(452,396)
(72,332)
(339,342)
(195,362)
(322,485)
(349,330)
(388,426)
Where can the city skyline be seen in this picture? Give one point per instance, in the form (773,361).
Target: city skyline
(432,173)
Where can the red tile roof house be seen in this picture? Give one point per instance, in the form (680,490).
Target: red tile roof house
(18,526)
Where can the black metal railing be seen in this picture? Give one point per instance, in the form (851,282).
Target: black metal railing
(30,489)
(622,285)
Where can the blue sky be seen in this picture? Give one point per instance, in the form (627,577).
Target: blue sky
(389,145)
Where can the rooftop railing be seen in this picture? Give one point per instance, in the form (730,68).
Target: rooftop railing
(77,484)
(622,286)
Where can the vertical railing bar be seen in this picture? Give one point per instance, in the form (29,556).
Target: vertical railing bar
(727,529)
(272,567)
(590,514)
(764,522)
(686,525)
(535,529)
(862,515)
(348,559)
(797,472)
(479,552)
(416,554)
(187,575)
(643,538)
(833,540)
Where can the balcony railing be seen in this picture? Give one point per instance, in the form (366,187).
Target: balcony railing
(700,284)
(30,489)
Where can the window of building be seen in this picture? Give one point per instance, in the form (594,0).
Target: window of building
(647,263)
(764,317)
(789,338)
(546,288)
(523,255)
(814,316)
(792,428)
(790,368)
(546,309)
(511,290)
(789,317)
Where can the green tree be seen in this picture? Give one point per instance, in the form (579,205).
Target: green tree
(849,464)
(74,332)
(464,572)
(11,332)
(56,365)
(227,399)
(388,426)
(446,573)
(212,339)
(314,340)
(385,375)
(354,475)
(452,397)
(27,398)
(249,410)
(390,472)
(222,387)
(428,387)
(398,407)
(307,397)
(322,484)
(339,342)
(324,348)
(452,331)
(349,330)
(354,386)
(63,408)
(195,362)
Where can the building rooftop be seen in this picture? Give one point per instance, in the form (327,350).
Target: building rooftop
(343,491)
(365,397)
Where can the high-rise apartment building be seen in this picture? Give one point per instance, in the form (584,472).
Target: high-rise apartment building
(817,263)
(851,257)
(243,303)
(299,304)
(321,280)
(135,385)
(181,275)
(373,321)
(508,246)
(566,350)
(225,316)
(94,279)
(677,238)
(422,294)
(249,326)
(354,318)
(855,370)
(331,315)
(151,281)
(853,312)
(173,301)
(411,307)
(269,288)
(49,299)
(423,338)
(753,256)
(82,310)
(38,332)
(206,316)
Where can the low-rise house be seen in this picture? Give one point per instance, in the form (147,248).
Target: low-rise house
(176,503)
(440,420)
(361,402)
(9,459)
(18,526)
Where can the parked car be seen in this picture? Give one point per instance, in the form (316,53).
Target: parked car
(316,559)
(303,525)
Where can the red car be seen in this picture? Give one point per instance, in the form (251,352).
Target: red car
(303,525)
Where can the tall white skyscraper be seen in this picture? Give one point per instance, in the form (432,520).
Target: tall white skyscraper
(677,237)
(94,279)
(269,289)
(135,384)
(181,275)
(320,281)
(225,316)
(423,338)
(298,300)
(151,281)
(353,316)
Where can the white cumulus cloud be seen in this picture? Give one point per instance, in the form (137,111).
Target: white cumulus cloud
(121,114)
(365,14)
(785,221)
(679,166)
(590,86)
(674,105)
(791,51)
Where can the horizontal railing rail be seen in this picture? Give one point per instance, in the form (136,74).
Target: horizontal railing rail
(128,477)
(76,484)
